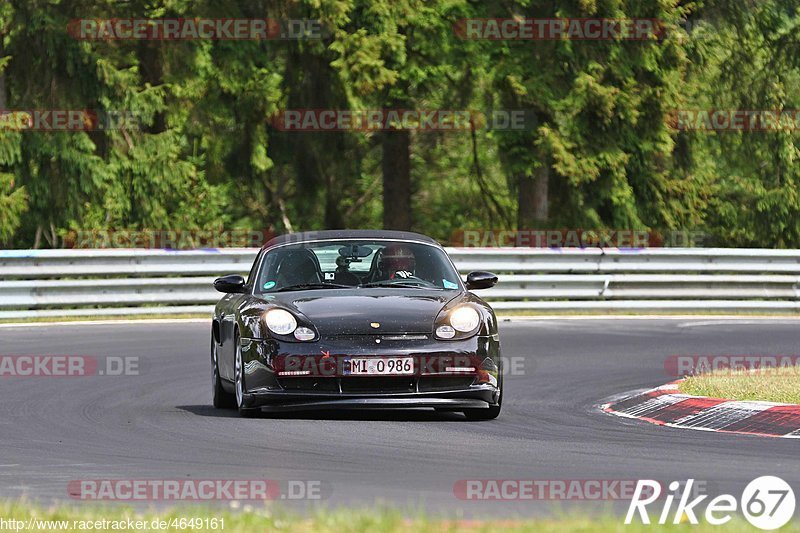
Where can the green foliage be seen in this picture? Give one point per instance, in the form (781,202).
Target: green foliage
(749,56)
(13,203)
(198,150)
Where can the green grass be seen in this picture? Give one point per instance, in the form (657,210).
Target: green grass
(780,385)
(264,519)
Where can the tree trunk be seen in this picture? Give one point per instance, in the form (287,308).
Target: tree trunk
(333,211)
(396,180)
(532,199)
(3,90)
(3,100)
(152,72)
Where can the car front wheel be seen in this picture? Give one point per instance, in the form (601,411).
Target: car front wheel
(219,398)
(239,381)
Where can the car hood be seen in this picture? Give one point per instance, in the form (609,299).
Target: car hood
(352,311)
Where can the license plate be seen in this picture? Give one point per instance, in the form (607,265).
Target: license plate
(383,366)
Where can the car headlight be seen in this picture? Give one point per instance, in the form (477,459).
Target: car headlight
(304,334)
(445,332)
(464,319)
(280,321)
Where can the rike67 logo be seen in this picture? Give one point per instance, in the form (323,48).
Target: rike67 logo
(767,503)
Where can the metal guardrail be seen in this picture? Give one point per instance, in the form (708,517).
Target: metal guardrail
(42,283)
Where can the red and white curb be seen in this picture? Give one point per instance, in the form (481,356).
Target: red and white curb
(667,407)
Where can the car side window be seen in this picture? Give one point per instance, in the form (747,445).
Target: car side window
(268,271)
(251,277)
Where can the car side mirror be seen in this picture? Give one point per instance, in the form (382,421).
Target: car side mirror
(481,280)
(232,284)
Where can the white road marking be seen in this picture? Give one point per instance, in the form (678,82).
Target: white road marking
(108,322)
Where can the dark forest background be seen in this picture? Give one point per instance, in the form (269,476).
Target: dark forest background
(200,151)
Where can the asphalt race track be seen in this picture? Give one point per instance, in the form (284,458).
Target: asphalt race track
(159,424)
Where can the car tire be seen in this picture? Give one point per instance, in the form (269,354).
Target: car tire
(239,381)
(220,399)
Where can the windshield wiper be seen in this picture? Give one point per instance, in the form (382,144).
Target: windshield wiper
(401,284)
(308,286)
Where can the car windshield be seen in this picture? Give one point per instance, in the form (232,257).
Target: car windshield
(349,264)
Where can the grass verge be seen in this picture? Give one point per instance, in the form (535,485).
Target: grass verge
(72,518)
(780,385)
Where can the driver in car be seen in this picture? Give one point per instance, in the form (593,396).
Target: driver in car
(396,262)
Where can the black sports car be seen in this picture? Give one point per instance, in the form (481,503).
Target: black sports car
(355,319)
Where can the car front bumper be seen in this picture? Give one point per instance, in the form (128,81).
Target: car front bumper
(318,378)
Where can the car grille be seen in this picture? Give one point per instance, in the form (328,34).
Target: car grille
(314,384)
(439,383)
(366,385)
(378,384)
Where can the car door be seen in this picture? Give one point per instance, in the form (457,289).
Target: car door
(227,328)
(232,303)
